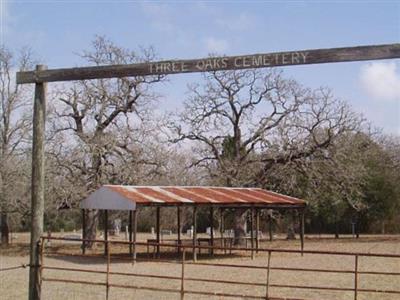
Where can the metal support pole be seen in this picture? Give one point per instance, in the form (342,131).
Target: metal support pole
(221,228)
(108,270)
(252,231)
(179,228)
(212,229)
(130,229)
(38,186)
(83,232)
(257,229)
(270,227)
(194,233)
(183,274)
(158,230)
(135,214)
(355,277)
(268,271)
(302,231)
(105,231)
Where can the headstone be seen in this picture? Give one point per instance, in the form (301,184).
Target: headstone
(208,230)
(117,226)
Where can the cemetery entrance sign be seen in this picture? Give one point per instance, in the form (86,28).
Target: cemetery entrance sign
(223,63)
(41,76)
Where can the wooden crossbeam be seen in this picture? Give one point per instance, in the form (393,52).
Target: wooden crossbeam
(275,59)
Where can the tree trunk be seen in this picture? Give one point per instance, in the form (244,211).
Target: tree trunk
(92,219)
(239,226)
(5,238)
(291,232)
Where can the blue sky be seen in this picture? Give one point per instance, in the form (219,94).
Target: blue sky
(57,30)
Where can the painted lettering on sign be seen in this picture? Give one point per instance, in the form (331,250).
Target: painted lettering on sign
(225,63)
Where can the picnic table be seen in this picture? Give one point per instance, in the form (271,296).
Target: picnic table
(225,242)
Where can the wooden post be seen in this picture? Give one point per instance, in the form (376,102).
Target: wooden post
(261,60)
(179,228)
(212,229)
(257,228)
(130,228)
(106,231)
(302,231)
(252,231)
(158,230)
(38,187)
(83,232)
(135,214)
(194,233)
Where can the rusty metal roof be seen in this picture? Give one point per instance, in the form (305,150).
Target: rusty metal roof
(181,195)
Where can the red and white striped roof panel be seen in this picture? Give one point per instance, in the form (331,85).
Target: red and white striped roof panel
(176,195)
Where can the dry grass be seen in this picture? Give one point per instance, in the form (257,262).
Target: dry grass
(13,284)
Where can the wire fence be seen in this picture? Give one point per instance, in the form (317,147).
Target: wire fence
(183,282)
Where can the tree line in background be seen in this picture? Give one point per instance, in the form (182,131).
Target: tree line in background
(252,128)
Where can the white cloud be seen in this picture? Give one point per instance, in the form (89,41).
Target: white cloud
(381,80)
(214,45)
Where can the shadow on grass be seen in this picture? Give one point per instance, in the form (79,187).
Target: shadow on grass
(123,258)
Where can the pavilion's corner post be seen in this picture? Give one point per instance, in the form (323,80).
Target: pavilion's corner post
(212,229)
(301,215)
(179,228)
(38,176)
(83,231)
(194,233)
(252,231)
(130,228)
(105,232)
(158,230)
(135,217)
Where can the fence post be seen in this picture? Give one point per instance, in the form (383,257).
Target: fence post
(356,277)
(108,269)
(183,274)
(38,184)
(268,269)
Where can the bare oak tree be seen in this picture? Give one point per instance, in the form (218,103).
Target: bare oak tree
(243,123)
(104,116)
(14,134)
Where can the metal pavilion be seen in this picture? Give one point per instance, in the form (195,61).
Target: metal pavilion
(130,198)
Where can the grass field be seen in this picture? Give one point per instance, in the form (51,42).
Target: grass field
(13,283)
